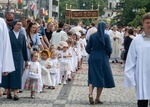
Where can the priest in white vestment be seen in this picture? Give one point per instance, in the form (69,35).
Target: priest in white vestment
(137,67)
(6,59)
(115,37)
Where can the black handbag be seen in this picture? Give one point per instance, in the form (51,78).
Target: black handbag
(34,46)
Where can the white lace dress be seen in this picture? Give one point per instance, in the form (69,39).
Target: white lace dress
(45,73)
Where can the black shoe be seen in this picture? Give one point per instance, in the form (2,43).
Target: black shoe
(116,61)
(9,96)
(69,79)
(16,98)
(4,94)
(20,91)
(53,88)
(113,61)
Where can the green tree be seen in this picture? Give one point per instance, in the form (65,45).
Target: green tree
(87,4)
(137,20)
(80,4)
(62,7)
(127,16)
(87,22)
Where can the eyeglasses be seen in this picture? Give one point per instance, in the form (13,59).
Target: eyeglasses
(10,20)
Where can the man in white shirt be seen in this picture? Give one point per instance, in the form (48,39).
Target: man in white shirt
(6,59)
(59,35)
(92,30)
(75,28)
(137,69)
(108,30)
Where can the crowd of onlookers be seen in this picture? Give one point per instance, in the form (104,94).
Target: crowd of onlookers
(44,55)
(53,51)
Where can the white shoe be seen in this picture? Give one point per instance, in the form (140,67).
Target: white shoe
(65,83)
(122,65)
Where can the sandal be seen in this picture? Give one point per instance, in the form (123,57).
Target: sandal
(33,96)
(91,99)
(53,88)
(16,98)
(4,93)
(98,101)
(9,96)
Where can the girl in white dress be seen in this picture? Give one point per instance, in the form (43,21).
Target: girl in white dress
(33,75)
(83,42)
(58,52)
(75,56)
(79,49)
(65,65)
(45,66)
(70,50)
(54,70)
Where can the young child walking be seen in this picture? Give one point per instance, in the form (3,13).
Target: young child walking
(54,70)
(70,50)
(65,65)
(45,66)
(33,80)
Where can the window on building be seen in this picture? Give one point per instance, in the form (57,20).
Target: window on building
(54,14)
(55,2)
(110,5)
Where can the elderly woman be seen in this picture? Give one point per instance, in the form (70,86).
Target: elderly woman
(99,72)
(18,43)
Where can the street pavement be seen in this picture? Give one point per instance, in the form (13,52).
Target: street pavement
(75,93)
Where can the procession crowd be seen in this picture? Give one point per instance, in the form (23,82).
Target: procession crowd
(44,55)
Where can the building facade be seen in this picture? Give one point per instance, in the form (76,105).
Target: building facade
(110,10)
(51,7)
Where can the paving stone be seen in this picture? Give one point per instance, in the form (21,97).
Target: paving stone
(75,93)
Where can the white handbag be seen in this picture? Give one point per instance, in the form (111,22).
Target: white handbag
(64,61)
(52,71)
(33,75)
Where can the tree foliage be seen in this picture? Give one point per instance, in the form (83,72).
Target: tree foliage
(127,16)
(80,4)
(137,20)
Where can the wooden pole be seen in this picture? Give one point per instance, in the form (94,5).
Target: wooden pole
(98,12)
(70,14)
(66,9)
